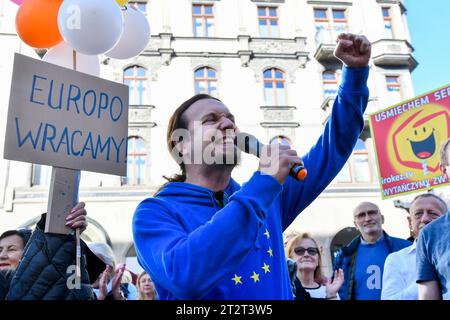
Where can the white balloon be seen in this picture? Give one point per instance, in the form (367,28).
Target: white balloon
(135,36)
(91,27)
(62,55)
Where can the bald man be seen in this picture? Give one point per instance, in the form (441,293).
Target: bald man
(363,259)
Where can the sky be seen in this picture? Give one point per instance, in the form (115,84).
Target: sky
(429,27)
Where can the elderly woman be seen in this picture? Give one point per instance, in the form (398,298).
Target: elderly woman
(12,243)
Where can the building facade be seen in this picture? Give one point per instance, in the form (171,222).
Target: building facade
(270,62)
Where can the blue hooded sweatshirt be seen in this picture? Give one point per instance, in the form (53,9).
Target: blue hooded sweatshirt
(193,248)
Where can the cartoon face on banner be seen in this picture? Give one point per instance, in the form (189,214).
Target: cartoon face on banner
(415,139)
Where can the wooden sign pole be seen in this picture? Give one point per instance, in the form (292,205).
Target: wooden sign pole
(63,196)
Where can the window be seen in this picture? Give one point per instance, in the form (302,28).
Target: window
(135,78)
(360,163)
(268,22)
(320,14)
(358,168)
(41,175)
(274,87)
(329,22)
(206,81)
(393,89)
(203,18)
(388,32)
(135,161)
(330,83)
(141,6)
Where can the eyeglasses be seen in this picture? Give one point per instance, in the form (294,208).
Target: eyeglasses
(300,251)
(370,213)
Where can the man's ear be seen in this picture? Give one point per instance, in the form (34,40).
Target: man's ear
(179,148)
(382,219)
(409,222)
(183,148)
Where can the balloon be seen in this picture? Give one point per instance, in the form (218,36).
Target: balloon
(135,36)
(62,55)
(36,23)
(91,27)
(18,2)
(122,2)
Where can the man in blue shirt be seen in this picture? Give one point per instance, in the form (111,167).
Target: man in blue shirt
(433,249)
(363,259)
(203,236)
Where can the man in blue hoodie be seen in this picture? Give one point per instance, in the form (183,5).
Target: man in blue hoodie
(203,236)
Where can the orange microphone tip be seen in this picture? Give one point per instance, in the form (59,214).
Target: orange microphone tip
(302,174)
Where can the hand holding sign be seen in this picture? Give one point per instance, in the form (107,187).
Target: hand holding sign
(77,217)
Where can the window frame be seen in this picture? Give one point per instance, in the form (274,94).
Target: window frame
(133,181)
(274,81)
(135,4)
(135,80)
(388,19)
(330,82)
(397,84)
(330,21)
(268,18)
(206,79)
(203,16)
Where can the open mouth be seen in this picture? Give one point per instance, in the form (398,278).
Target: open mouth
(424,149)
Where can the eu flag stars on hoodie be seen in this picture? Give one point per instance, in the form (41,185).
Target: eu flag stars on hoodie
(193,248)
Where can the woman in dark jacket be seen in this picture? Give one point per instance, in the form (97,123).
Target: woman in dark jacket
(45,271)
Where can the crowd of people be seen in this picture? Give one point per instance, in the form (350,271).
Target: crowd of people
(204,236)
(35,265)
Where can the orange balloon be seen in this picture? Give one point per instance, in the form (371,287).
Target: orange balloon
(37,23)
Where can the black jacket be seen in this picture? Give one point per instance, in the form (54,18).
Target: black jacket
(5,281)
(46,270)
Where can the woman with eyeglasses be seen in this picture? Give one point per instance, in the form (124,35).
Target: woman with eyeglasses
(309,282)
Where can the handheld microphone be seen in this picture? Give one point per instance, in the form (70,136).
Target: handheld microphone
(250,144)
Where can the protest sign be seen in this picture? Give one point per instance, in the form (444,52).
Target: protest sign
(407,138)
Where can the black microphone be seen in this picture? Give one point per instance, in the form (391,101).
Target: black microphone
(250,144)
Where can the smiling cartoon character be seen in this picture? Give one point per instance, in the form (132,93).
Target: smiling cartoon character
(423,148)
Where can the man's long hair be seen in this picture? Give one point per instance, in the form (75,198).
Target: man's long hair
(178,122)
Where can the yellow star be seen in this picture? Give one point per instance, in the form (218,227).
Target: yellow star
(266,268)
(267,234)
(255,276)
(270,252)
(236,279)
